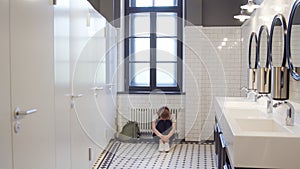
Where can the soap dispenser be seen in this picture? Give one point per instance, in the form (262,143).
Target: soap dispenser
(280,83)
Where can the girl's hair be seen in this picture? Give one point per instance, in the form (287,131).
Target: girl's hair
(164,112)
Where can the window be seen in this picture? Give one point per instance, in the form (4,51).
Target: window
(153,47)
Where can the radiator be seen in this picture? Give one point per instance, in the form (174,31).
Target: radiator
(143,116)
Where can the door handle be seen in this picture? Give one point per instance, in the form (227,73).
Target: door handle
(110,85)
(97,88)
(19,113)
(73,97)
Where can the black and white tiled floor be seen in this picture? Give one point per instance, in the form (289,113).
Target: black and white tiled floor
(146,155)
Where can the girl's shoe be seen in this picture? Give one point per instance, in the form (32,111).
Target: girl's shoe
(161,147)
(167,147)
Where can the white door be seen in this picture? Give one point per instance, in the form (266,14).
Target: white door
(87,51)
(79,66)
(32,83)
(92,116)
(93,111)
(5,113)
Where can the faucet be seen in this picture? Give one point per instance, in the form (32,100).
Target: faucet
(250,93)
(244,88)
(269,102)
(290,112)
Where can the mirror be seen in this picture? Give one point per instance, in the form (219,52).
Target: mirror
(262,46)
(263,69)
(293,41)
(252,51)
(252,85)
(277,41)
(277,59)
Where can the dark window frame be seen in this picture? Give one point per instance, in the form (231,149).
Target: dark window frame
(153,10)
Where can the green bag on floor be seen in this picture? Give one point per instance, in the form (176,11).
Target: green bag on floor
(129,131)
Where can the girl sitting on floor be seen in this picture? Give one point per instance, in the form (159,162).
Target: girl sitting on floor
(163,128)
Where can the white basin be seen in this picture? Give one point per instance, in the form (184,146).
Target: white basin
(236,102)
(244,113)
(260,125)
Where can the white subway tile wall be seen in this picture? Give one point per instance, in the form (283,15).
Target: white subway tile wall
(295,53)
(263,50)
(212,68)
(295,45)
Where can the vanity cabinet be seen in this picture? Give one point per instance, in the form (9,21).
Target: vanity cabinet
(221,152)
(222,160)
(247,137)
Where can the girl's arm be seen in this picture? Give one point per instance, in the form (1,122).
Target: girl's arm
(172,131)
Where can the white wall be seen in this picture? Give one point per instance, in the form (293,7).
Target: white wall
(264,16)
(212,68)
(5,111)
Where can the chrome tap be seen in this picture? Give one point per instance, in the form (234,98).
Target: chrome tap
(269,102)
(290,112)
(251,94)
(245,89)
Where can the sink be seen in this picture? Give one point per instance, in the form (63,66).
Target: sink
(236,102)
(244,114)
(260,125)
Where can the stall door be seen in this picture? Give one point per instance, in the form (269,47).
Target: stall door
(92,116)
(32,79)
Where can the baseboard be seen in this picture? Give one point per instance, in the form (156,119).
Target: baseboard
(150,139)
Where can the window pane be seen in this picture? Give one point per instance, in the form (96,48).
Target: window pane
(139,49)
(166,74)
(165,2)
(166,24)
(139,74)
(139,24)
(141,3)
(166,49)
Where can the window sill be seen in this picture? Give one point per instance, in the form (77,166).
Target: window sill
(149,92)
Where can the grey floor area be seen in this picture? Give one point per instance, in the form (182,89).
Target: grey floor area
(146,155)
